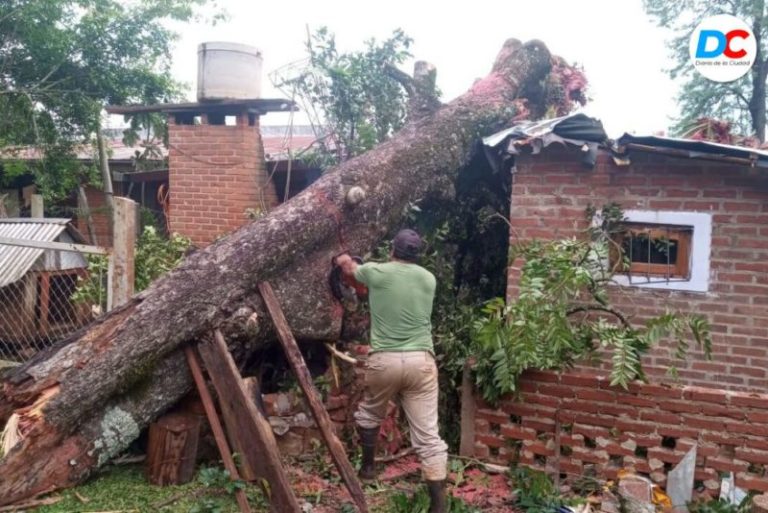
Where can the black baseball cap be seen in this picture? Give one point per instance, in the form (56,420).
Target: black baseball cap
(407,244)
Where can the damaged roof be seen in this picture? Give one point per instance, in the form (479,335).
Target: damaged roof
(575,129)
(588,133)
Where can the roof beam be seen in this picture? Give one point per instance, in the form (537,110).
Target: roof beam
(59,246)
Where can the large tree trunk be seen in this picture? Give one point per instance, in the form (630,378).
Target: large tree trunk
(86,400)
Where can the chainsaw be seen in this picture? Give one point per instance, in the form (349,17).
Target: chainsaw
(344,287)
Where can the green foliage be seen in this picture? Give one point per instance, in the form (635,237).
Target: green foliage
(360,103)
(699,97)
(535,492)
(216,477)
(419,503)
(155,256)
(720,506)
(62,60)
(562,314)
(92,290)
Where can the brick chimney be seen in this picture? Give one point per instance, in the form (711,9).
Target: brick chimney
(217,170)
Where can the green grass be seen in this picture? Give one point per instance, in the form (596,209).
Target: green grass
(125,488)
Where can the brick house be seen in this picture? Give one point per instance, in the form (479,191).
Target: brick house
(710,202)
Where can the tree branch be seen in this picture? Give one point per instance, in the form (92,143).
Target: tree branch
(401,78)
(600,308)
(739,95)
(421,90)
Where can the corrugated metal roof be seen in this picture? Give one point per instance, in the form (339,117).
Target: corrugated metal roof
(697,149)
(15,261)
(581,130)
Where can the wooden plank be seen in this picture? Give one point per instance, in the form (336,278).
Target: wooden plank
(123,244)
(59,246)
(468,411)
(213,420)
(251,431)
(45,302)
(106,177)
(312,396)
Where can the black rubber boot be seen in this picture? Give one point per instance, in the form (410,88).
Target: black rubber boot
(368,438)
(437,498)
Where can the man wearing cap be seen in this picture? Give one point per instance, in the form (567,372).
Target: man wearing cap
(401,363)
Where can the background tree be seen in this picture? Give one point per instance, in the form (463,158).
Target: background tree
(742,102)
(62,60)
(351,96)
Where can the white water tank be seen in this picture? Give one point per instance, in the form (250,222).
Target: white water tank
(228,71)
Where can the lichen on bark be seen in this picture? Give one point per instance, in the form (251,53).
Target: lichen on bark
(118,430)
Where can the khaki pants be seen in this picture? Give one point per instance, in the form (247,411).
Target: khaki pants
(410,377)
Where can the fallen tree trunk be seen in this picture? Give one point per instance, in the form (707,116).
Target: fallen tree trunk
(85,401)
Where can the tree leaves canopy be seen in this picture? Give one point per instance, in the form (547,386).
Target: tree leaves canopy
(61,61)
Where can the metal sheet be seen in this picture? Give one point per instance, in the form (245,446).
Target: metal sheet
(16,261)
(699,149)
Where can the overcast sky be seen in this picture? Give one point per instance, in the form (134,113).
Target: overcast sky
(622,51)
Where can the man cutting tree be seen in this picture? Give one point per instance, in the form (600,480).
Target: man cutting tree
(401,363)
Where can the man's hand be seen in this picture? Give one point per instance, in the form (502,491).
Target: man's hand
(347,264)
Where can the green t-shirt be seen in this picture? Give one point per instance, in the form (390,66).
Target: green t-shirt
(400,296)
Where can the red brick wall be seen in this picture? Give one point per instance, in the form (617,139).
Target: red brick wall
(102,218)
(648,429)
(552,189)
(216,173)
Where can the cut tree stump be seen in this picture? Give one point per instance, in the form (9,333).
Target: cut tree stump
(312,396)
(172,449)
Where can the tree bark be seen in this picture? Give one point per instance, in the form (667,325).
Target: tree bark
(757,102)
(85,400)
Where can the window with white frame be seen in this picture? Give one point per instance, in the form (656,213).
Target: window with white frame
(664,250)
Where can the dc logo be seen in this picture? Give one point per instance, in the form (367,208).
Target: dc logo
(723,44)
(723,48)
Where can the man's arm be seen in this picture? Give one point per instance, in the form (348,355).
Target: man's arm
(347,264)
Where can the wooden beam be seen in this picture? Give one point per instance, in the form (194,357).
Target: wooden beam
(312,396)
(124,247)
(261,105)
(45,302)
(250,431)
(213,420)
(468,410)
(58,246)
